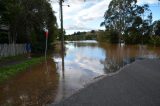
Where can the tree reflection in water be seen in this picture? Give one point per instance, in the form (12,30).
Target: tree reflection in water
(118,56)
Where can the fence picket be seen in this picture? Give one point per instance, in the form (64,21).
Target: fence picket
(12,49)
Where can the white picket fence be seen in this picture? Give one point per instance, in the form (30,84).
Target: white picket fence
(12,49)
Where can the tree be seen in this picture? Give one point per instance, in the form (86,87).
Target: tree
(26,20)
(124,15)
(156,27)
(10,12)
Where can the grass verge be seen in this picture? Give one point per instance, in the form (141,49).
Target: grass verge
(10,71)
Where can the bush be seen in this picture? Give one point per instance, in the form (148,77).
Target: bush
(113,36)
(3,37)
(155,40)
(136,38)
(108,36)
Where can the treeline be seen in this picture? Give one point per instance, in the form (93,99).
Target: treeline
(82,36)
(23,21)
(126,21)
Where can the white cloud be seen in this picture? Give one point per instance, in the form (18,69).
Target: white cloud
(77,27)
(147,2)
(94,12)
(80,13)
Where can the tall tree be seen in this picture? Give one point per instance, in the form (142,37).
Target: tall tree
(10,17)
(123,15)
(26,20)
(156,27)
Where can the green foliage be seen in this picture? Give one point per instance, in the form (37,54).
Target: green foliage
(132,39)
(155,40)
(10,71)
(121,13)
(81,36)
(12,58)
(156,27)
(27,19)
(3,37)
(102,36)
(59,34)
(113,36)
(125,18)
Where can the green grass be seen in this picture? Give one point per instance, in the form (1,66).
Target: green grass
(10,71)
(13,58)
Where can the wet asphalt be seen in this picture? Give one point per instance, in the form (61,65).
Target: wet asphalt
(137,84)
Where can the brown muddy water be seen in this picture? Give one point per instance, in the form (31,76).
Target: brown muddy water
(37,86)
(83,62)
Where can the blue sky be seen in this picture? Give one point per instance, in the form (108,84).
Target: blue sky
(85,16)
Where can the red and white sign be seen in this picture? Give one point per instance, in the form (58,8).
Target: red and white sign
(46,33)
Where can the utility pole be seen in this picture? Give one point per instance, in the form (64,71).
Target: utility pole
(61,15)
(62,34)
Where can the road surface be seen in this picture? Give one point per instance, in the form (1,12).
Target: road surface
(137,84)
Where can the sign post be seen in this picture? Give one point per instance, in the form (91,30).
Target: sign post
(46,35)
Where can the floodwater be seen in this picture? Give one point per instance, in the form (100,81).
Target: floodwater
(37,86)
(84,61)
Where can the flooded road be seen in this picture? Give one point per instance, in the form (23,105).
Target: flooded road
(84,61)
(37,86)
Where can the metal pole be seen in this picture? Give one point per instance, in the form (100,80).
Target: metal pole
(46,47)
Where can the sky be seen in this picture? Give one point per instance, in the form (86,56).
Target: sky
(86,15)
